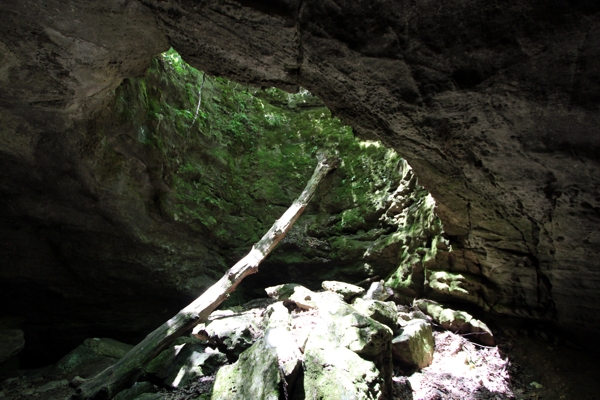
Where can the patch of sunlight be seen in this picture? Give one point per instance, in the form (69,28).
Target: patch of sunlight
(429,201)
(461,369)
(179,376)
(369,143)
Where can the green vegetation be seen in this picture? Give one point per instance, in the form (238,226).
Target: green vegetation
(233,168)
(248,151)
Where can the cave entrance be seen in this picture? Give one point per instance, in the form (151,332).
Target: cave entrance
(234,157)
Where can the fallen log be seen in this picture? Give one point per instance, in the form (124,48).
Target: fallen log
(112,380)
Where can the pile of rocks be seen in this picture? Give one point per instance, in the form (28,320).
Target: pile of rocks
(342,342)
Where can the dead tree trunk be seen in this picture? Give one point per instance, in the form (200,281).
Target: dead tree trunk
(115,378)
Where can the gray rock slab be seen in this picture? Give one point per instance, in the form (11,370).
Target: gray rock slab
(381,311)
(303,297)
(107,347)
(378,291)
(52,385)
(414,346)
(457,321)
(255,375)
(236,332)
(341,326)
(192,362)
(347,290)
(339,373)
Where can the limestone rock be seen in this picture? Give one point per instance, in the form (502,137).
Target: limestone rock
(235,332)
(405,317)
(53,385)
(12,342)
(378,291)
(338,373)
(159,366)
(278,337)
(192,362)
(93,356)
(414,346)
(380,311)
(341,326)
(303,297)
(277,316)
(457,321)
(443,284)
(255,375)
(107,347)
(345,289)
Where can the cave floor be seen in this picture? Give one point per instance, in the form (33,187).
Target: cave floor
(564,372)
(518,368)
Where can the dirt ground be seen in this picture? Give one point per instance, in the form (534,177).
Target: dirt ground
(565,373)
(518,368)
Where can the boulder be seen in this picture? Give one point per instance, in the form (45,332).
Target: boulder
(457,321)
(378,291)
(381,311)
(235,333)
(52,385)
(341,326)
(278,337)
(255,375)
(12,342)
(277,316)
(347,290)
(192,362)
(339,373)
(414,346)
(405,317)
(179,354)
(107,347)
(445,285)
(291,292)
(91,357)
(158,367)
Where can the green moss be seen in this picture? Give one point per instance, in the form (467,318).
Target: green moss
(226,161)
(353,219)
(236,164)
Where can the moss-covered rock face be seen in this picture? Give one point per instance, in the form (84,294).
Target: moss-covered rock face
(230,162)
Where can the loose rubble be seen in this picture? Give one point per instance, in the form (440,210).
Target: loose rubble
(305,344)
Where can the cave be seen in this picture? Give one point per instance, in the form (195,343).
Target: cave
(493,106)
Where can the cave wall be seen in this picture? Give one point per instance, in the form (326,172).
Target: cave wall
(495,106)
